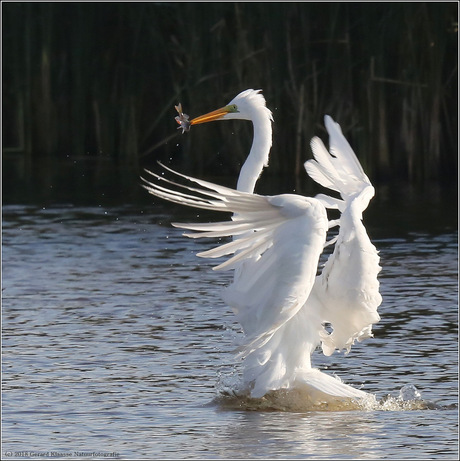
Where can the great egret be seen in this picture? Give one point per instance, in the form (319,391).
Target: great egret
(284,308)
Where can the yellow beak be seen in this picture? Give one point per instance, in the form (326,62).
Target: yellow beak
(211,116)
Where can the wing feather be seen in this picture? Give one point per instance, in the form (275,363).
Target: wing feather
(222,229)
(338,169)
(275,256)
(347,290)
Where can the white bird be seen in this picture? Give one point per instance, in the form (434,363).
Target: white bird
(285,309)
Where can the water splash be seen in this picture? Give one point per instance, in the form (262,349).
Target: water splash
(409,392)
(409,398)
(231,395)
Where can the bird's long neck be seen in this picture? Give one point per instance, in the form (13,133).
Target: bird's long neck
(258,156)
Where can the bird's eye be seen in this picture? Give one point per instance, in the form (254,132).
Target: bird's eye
(233,108)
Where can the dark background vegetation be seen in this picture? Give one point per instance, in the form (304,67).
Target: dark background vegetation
(89,88)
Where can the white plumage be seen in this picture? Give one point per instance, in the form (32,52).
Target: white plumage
(280,302)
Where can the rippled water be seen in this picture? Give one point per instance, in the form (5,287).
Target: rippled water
(116,342)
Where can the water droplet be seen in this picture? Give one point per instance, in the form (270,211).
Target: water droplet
(409,392)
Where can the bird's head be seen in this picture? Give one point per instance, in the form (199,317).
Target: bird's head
(248,105)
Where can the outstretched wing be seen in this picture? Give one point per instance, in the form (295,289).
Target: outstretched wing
(275,251)
(347,289)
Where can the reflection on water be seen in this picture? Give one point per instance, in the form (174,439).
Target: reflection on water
(115,339)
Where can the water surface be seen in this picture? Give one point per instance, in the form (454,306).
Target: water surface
(116,343)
